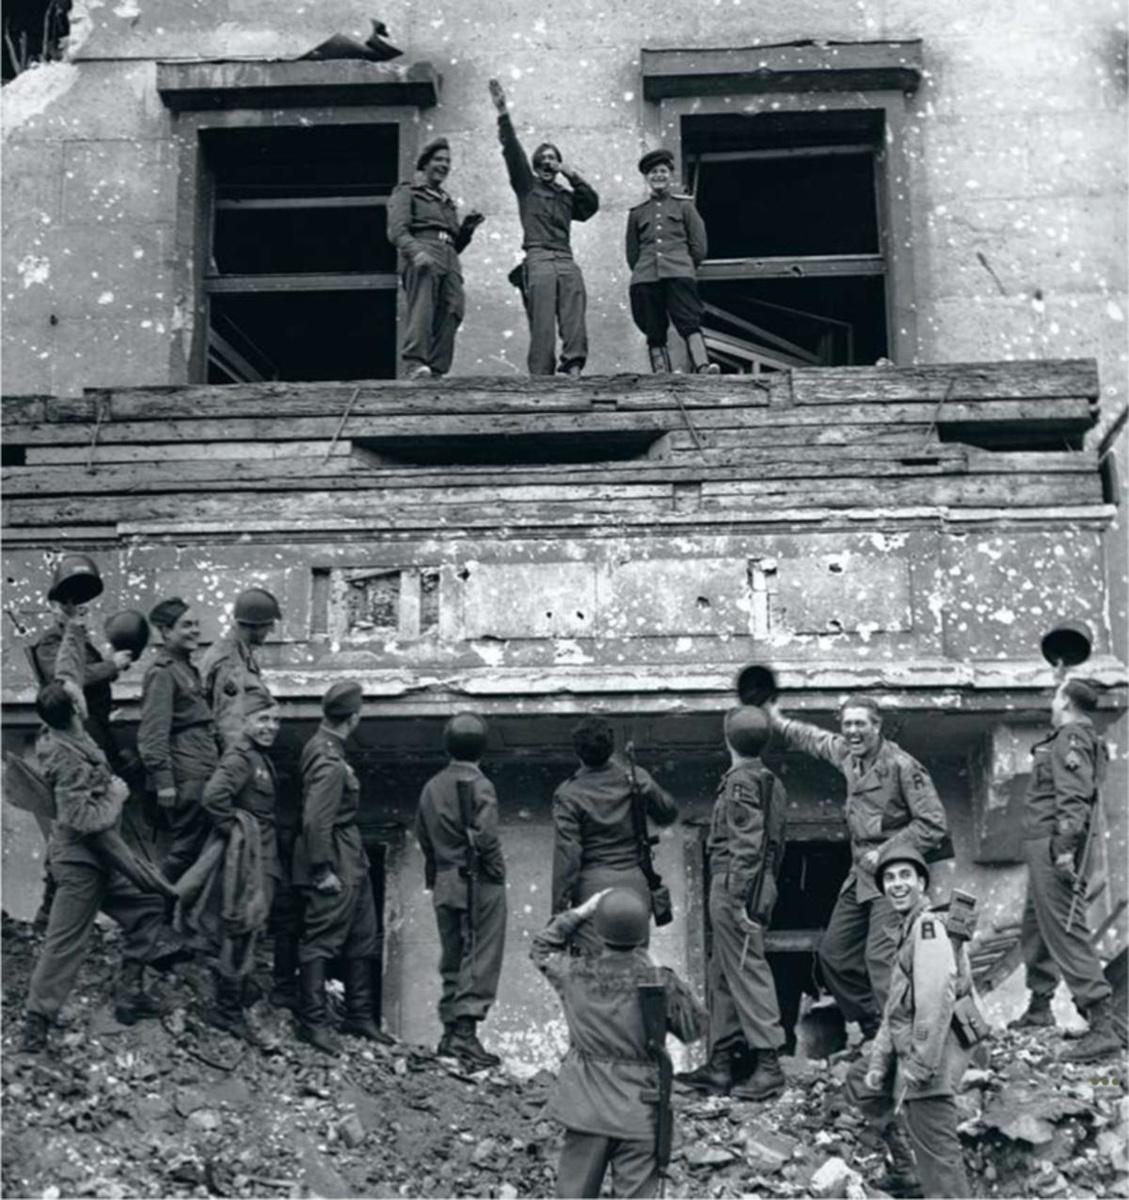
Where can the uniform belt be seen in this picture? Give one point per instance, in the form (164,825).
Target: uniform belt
(439,235)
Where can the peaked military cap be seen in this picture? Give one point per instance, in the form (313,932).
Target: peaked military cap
(653,158)
(166,614)
(343,700)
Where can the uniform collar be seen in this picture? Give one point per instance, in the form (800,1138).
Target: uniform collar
(164,654)
(467,769)
(324,728)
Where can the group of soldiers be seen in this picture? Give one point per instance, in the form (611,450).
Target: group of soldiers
(665,244)
(895,966)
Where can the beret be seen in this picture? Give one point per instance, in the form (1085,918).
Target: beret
(343,699)
(432,148)
(166,614)
(652,159)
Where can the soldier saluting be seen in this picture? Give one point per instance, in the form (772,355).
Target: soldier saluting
(890,798)
(1057,824)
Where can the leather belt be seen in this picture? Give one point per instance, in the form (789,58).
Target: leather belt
(439,235)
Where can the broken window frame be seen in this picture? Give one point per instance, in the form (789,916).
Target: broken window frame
(877,77)
(411,584)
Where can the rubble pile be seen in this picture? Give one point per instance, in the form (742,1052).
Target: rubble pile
(173,1108)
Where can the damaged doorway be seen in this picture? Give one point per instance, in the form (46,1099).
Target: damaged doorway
(299,279)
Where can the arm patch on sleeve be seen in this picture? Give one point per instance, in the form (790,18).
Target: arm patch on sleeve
(928,930)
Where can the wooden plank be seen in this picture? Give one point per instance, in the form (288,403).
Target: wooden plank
(24,409)
(815,266)
(357,281)
(124,453)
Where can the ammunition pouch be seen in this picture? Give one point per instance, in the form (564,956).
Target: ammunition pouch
(662,909)
(969,1024)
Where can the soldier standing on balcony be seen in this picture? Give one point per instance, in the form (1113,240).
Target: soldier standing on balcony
(423,224)
(1057,822)
(551,283)
(890,798)
(666,243)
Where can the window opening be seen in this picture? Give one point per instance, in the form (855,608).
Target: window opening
(301,280)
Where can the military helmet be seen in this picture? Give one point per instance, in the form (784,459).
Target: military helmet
(256,606)
(128,630)
(900,853)
(747,730)
(465,736)
(756,684)
(77,580)
(622,918)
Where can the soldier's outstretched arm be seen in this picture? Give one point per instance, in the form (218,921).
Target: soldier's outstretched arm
(549,952)
(819,743)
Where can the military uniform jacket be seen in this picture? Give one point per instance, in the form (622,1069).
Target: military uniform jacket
(746,838)
(245,780)
(331,798)
(230,670)
(86,799)
(59,655)
(1069,765)
(177,737)
(607,1067)
(666,239)
(546,209)
(415,208)
(928,979)
(593,825)
(443,836)
(890,798)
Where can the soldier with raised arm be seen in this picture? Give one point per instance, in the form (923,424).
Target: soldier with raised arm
(890,800)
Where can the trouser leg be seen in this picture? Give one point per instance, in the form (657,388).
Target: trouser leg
(450,304)
(881,946)
(1072,950)
(584,1159)
(481,963)
(147,936)
(541,307)
(1039,967)
(635,1170)
(724,1024)
(328,921)
(451,923)
(745,970)
(572,309)
(361,938)
(188,827)
(77,900)
(684,305)
(931,1123)
(842,951)
(648,311)
(419,294)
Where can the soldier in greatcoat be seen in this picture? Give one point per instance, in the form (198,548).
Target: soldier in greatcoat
(1058,818)
(457,828)
(890,799)
(177,737)
(603,1084)
(331,869)
(424,226)
(745,849)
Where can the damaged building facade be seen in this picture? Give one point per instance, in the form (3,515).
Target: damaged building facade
(200,348)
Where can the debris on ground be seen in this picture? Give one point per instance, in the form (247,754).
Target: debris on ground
(172,1107)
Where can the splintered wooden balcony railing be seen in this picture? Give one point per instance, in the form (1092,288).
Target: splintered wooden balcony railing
(622,450)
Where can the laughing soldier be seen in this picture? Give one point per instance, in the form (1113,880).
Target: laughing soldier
(423,224)
(889,796)
(553,285)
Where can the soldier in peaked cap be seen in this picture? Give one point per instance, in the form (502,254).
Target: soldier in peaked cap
(177,737)
(666,243)
(457,827)
(332,870)
(424,226)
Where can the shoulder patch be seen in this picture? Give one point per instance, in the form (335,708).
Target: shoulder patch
(1073,760)
(928,929)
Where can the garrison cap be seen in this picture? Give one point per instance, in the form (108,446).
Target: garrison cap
(899,854)
(1082,694)
(166,614)
(653,158)
(342,700)
(256,701)
(430,150)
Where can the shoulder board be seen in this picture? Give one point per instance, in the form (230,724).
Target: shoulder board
(679,196)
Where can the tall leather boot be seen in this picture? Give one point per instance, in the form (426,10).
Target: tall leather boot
(900,1178)
(284,993)
(464,1044)
(226,1009)
(359,1017)
(313,1011)
(132,1003)
(1099,1040)
(714,1075)
(660,359)
(444,1048)
(766,1081)
(699,358)
(1037,1015)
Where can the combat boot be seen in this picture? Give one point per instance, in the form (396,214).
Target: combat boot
(313,1011)
(660,359)
(284,993)
(766,1081)
(900,1178)
(1099,1040)
(132,1003)
(1037,1015)
(34,1039)
(226,1009)
(444,1048)
(464,1044)
(714,1075)
(359,1017)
